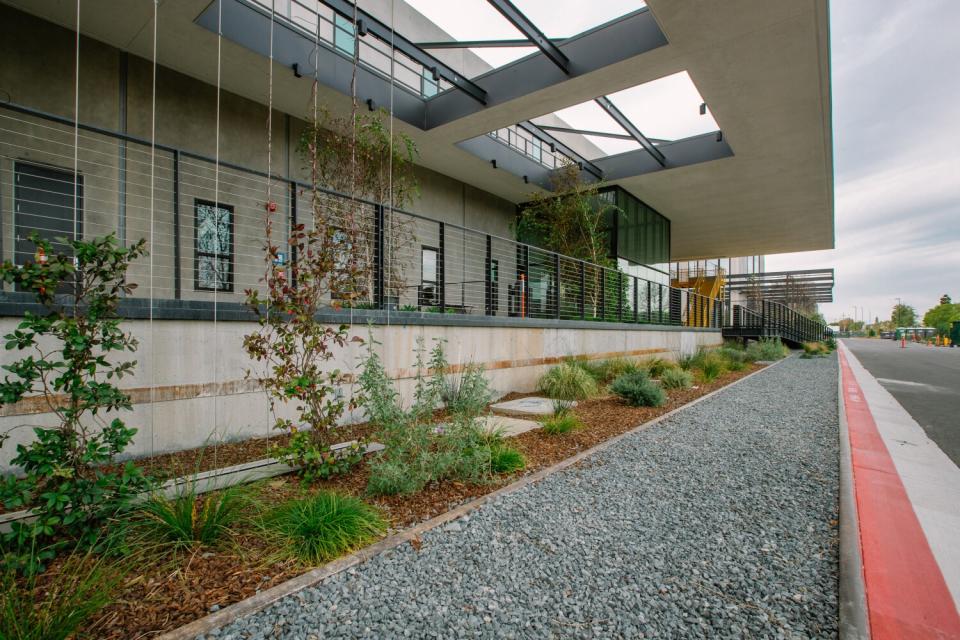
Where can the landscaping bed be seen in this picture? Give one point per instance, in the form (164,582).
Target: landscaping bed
(171,591)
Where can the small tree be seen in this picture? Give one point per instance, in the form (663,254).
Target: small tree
(903,316)
(65,484)
(942,316)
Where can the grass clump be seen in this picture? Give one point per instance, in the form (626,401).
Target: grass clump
(711,367)
(505,459)
(323,526)
(639,390)
(815,350)
(657,366)
(54,605)
(188,519)
(767,349)
(561,424)
(567,381)
(676,379)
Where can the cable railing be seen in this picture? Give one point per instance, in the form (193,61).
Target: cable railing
(768,319)
(207,221)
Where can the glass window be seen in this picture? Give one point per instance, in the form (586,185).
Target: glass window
(537,149)
(344,35)
(428,266)
(214,246)
(428,86)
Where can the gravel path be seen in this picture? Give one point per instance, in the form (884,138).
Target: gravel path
(719,522)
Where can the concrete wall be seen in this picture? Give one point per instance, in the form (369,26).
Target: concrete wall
(189,385)
(36,71)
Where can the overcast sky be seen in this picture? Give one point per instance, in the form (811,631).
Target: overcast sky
(896,136)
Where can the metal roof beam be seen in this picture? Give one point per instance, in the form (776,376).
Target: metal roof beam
(586,164)
(408,48)
(630,128)
(586,132)
(533,34)
(479,44)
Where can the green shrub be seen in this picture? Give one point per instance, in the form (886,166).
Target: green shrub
(567,382)
(815,350)
(767,349)
(607,371)
(711,367)
(639,390)
(657,366)
(55,607)
(560,424)
(831,343)
(188,519)
(504,459)
(390,477)
(676,379)
(322,526)
(686,362)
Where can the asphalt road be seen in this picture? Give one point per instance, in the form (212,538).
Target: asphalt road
(924,380)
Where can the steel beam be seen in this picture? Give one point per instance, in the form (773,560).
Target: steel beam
(478,44)
(684,152)
(530,30)
(586,132)
(408,48)
(630,128)
(587,165)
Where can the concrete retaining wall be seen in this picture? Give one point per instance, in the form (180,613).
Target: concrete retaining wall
(189,386)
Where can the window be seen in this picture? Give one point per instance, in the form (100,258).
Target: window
(44,203)
(344,35)
(537,149)
(429,277)
(428,86)
(213,237)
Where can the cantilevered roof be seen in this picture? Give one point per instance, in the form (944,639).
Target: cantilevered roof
(763,184)
(781,286)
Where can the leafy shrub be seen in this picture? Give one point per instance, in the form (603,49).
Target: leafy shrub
(639,390)
(504,459)
(711,367)
(561,424)
(392,476)
(606,371)
(767,349)
(676,379)
(56,605)
(830,342)
(567,382)
(734,356)
(322,526)
(64,484)
(189,519)
(657,366)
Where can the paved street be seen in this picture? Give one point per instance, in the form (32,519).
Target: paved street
(925,380)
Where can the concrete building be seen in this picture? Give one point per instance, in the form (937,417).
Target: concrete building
(171,161)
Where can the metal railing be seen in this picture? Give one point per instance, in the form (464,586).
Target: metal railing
(417,264)
(774,320)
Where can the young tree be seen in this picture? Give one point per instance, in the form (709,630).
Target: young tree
(942,316)
(904,316)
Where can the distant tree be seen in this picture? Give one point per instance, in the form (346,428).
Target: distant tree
(904,315)
(945,299)
(942,316)
(849,324)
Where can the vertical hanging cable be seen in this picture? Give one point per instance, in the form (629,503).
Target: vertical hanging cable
(216,260)
(153,150)
(76,131)
(387,226)
(270,267)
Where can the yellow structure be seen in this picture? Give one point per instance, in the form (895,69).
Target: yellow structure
(708,284)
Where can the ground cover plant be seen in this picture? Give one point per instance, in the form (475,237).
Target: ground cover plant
(71,349)
(187,519)
(815,350)
(318,527)
(637,389)
(568,382)
(561,423)
(767,349)
(711,366)
(676,379)
(657,366)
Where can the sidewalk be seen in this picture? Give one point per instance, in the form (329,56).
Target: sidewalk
(908,506)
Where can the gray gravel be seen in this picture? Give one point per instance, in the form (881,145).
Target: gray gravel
(720,522)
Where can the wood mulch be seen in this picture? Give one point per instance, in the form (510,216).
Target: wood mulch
(166,592)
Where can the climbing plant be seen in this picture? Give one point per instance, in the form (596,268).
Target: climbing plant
(68,363)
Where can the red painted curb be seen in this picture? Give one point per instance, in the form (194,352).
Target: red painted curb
(907,596)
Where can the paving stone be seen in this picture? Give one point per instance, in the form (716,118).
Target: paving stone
(533,406)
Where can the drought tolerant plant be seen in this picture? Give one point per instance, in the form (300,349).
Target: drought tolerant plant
(639,390)
(676,379)
(504,459)
(657,366)
(561,424)
(188,519)
(65,484)
(322,526)
(711,367)
(814,350)
(767,349)
(469,392)
(830,342)
(567,382)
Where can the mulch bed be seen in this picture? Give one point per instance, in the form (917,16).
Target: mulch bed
(170,592)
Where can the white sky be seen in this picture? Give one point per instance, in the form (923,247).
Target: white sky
(896,120)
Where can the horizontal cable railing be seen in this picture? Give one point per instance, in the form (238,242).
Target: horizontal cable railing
(767,319)
(416,264)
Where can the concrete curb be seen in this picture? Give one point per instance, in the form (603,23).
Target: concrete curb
(264,599)
(854,624)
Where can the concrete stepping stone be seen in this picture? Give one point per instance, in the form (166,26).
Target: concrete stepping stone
(532,406)
(508,427)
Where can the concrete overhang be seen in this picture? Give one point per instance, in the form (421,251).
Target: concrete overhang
(762,67)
